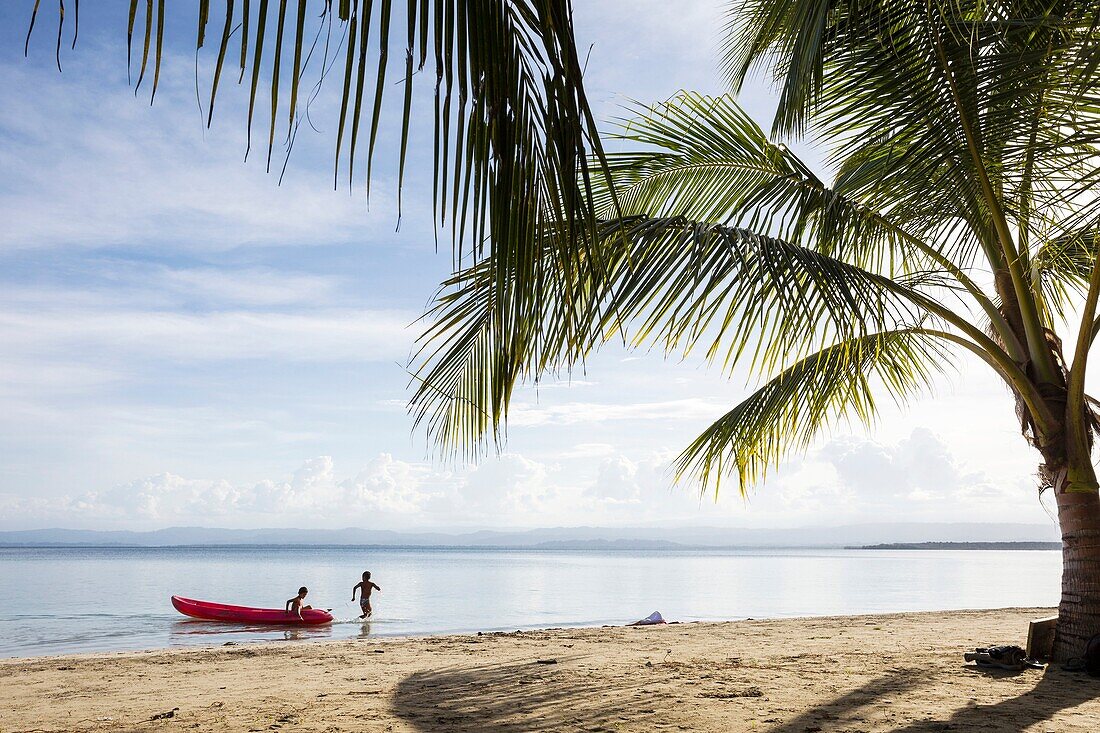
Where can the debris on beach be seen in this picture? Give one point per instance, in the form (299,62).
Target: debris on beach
(650,620)
(733,695)
(1008,657)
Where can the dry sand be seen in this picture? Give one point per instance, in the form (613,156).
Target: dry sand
(900,672)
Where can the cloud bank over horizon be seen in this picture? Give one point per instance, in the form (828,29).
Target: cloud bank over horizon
(845,480)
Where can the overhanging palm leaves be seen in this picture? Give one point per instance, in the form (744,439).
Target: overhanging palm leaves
(962,134)
(512,127)
(672,282)
(799,309)
(704,158)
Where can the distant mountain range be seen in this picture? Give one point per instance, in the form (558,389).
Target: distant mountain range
(962,546)
(553,538)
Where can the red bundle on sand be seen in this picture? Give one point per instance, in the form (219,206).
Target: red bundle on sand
(245,615)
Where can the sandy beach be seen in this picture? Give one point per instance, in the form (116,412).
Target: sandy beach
(899,672)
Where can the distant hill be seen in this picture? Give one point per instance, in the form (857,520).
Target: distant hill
(610,545)
(554,538)
(962,546)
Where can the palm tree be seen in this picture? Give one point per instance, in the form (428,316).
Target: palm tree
(961,219)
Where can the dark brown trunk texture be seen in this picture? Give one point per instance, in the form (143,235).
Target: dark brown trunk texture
(1079,610)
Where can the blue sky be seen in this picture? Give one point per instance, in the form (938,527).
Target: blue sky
(183,341)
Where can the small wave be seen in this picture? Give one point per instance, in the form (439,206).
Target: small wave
(371,620)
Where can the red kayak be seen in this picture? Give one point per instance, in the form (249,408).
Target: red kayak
(245,615)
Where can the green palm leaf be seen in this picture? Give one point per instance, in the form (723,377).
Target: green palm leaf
(704,158)
(472,355)
(671,282)
(789,411)
(512,125)
(1062,267)
(963,135)
(739,294)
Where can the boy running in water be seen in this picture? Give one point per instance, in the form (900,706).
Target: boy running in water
(364,587)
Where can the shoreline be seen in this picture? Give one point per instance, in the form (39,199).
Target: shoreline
(448,634)
(569,547)
(874,672)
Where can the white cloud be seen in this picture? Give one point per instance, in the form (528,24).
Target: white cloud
(23,376)
(130,174)
(846,480)
(587,450)
(620,480)
(389,486)
(919,477)
(502,490)
(246,287)
(321,335)
(509,484)
(693,409)
(314,495)
(920,466)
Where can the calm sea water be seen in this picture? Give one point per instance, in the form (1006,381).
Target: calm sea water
(55,601)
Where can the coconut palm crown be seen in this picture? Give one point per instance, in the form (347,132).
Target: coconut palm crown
(961,218)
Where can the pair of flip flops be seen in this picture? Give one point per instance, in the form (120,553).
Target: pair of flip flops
(1002,657)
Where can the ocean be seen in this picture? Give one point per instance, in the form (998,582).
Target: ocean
(95,599)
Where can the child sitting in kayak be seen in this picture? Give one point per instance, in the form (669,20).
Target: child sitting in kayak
(294,605)
(365,587)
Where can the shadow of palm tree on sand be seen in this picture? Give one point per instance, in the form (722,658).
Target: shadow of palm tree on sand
(514,698)
(1055,691)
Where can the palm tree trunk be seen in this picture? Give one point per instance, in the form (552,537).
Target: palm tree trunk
(1079,610)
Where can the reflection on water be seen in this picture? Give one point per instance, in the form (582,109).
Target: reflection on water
(440,591)
(180,632)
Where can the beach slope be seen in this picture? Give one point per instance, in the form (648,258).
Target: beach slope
(899,672)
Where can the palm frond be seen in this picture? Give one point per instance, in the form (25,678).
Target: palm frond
(477,347)
(1063,266)
(705,159)
(512,126)
(991,98)
(829,58)
(789,411)
(743,296)
(681,285)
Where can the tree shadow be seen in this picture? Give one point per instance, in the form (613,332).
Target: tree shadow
(514,698)
(842,709)
(1055,691)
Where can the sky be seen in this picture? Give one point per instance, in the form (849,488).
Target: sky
(185,341)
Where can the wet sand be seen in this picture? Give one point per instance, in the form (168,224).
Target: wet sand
(898,672)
